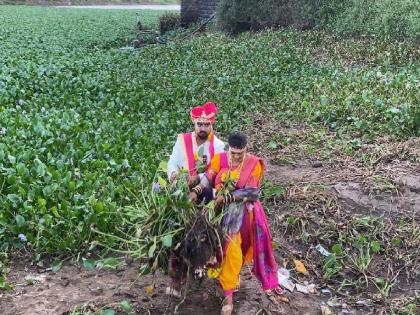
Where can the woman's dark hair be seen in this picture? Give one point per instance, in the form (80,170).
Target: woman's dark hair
(237,140)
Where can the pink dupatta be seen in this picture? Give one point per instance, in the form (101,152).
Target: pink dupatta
(265,266)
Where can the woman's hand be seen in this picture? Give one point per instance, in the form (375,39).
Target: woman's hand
(220,200)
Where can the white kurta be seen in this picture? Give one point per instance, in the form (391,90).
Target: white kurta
(177,159)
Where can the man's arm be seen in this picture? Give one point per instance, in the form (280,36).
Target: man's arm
(207,180)
(175,162)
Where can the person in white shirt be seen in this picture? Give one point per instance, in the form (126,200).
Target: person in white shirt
(193,151)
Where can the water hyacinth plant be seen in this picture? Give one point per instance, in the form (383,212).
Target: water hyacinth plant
(159,222)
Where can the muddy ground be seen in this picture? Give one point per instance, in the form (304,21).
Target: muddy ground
(314,194)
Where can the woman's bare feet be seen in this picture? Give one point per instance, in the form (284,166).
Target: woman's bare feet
(227,307)
(276,295)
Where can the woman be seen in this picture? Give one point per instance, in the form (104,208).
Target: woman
(237,176)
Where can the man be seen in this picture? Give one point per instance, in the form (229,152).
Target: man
(237,176)
(195,149)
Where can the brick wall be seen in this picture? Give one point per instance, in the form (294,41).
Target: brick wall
(194,10)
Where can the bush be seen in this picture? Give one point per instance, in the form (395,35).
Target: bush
(385,18)
(169,22)
(238,15)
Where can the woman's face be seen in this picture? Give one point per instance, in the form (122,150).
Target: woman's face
(237,155)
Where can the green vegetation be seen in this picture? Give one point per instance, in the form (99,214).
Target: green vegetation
(383,18)
(82,122)
(86,2)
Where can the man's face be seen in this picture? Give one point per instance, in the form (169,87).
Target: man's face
(203,129)
(237,155)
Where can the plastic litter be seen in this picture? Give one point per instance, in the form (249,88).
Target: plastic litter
(306,288)
(322,250)
(283,276)
(326,292)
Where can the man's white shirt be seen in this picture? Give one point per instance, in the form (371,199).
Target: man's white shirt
(177,159)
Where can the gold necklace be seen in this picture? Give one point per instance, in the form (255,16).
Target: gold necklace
(240,166)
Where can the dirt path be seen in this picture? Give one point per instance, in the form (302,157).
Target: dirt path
(41,292)
(126,7)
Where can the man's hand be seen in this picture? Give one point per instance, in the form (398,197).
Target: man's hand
(193,181)
(193,196)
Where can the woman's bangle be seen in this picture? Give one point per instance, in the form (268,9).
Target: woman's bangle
(229,198)
(198,190)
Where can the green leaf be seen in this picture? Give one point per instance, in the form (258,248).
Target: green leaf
(12,159)
(110,262)
(20,220)
(125,163)
(40,168)
(396,242)
(22,169)
(375,246)
(144,270)
(126,306)
(162,182)
(292,220)
(89,263)
(167,240)
(163,166)
(42,202)
(379,281)
(54,211)
(324,100)
(137,132)
(336,249)
(56,265)
(108,311)
(275,191)
(4,285)
(272,144)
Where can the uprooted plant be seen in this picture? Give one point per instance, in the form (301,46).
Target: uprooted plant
(164,223)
